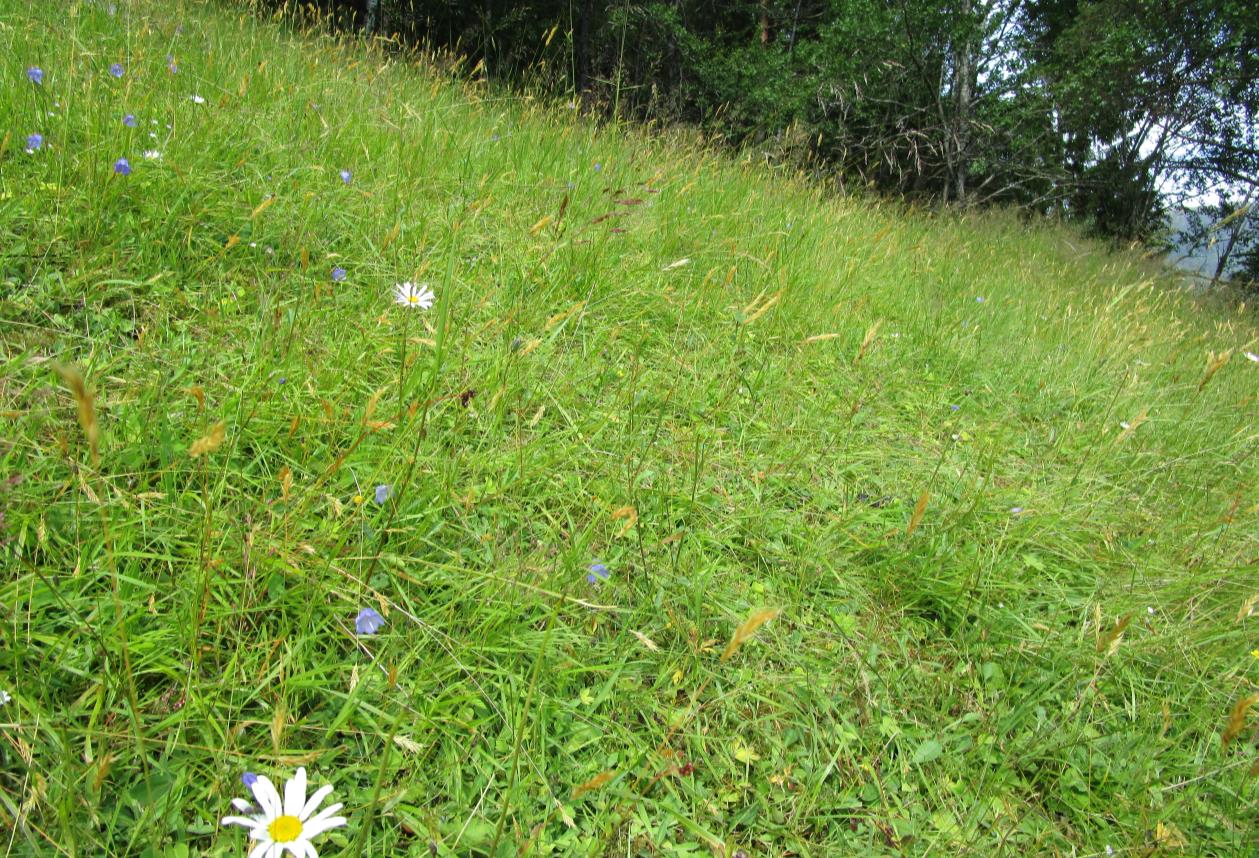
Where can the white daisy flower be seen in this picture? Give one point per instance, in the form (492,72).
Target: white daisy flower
(152,155)
(4,698)
(1251,356)
(196,99)
(287,825)
(410,295)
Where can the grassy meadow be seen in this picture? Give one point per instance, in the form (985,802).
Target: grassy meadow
(995,488)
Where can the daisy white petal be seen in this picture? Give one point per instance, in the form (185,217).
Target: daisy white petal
(268,797)
(410,295)
(238,820)
(325,820)
(319,796)
(295,793)
(326,812)
(312,829)
(284,827)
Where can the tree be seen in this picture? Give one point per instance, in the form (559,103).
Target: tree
(1156,99)
(1102,111)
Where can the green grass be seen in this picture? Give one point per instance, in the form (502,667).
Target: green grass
(172,621)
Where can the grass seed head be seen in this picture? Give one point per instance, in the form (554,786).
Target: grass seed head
(208,442)
(920,509)
(871,332)
(597,782)
(1214,364)
(747,629)
(85,400)
(1237,719)
(1109,640)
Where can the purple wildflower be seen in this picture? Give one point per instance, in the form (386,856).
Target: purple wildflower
(36,75)
(598,167)
(338,274)
(117,70)
(598,572)
(249,779)
(368,622)
(130,120)
(34,143)
(382,493)
(346,176)
(170,65)
(122,167)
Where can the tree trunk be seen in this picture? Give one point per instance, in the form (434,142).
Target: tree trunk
(795,22)
(673,57)
(487,34)
(1237,224)
(583,47)
(963,94)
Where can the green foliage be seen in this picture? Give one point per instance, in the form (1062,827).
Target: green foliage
(1104,111)
(1149,92)
(726,385)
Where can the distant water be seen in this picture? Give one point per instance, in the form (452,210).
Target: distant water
(1201,261)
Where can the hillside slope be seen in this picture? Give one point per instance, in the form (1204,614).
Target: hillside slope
(1000,485)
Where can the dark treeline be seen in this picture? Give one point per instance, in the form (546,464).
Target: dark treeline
(1102,111)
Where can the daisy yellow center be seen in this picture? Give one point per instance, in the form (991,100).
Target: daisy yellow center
(284,829)
(414,299)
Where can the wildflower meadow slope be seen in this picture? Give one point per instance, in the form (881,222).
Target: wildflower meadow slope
(544,488)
